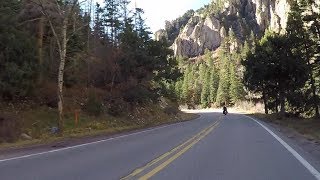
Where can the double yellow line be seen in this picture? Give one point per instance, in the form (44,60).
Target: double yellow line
(176,152)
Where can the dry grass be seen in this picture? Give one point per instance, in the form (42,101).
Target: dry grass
(310,128)
(38,121)
(249,107)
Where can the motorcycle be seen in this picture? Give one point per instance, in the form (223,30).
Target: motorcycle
(225,112)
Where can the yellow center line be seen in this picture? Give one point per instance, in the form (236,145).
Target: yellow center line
(139,170)
(171,159)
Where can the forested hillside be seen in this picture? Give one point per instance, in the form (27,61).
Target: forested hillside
(78,57)
(279,68)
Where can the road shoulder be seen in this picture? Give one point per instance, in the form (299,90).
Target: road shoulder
(306,147)
(65,142)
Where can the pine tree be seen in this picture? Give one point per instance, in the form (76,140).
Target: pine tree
(205,92)
(213,84)
(223,96)
(98,23)
(185,84)
(302,45)
(18,63)
(245,50)
(111,18)
(236,86)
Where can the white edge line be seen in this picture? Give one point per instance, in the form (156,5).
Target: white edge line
(304,162)
(86,144)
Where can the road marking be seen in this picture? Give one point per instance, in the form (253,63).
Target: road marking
(139,170)
(178,154)
(86,144)
(304,162)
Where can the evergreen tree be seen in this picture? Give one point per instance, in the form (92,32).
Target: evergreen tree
(205,92)
(18,62)
(185,84)
(111,18)
(98,28)
(245,50)
(274,70)
(223,96)
(304,43)
(213,84)
(236,87)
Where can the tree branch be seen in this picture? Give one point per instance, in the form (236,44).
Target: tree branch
(77,30)
(43,11)
(30,20)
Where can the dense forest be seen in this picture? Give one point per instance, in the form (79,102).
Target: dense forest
(73,54)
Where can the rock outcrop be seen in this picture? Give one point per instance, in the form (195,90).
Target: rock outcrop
(197,36)
(160,34)
(202,33)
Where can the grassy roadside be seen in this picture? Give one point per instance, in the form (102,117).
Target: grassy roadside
(37,123)
(309,128)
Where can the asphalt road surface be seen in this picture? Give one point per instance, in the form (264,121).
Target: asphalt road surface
(211,147)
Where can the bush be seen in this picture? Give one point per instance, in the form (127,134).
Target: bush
(94,105)
(138,94)
(171,110)
(18,62)
(116,107)
(10,129)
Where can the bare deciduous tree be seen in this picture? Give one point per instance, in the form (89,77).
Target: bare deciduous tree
(64,10)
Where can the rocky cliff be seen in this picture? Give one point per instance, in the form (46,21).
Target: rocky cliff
(242,17)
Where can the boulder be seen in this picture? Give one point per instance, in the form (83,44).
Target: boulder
(25,136)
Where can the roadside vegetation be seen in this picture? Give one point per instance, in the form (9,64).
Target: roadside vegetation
(272,75)
(76,68)
(284,69)
(308,127)
(277,69)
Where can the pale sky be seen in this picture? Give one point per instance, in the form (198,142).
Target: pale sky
(157,11)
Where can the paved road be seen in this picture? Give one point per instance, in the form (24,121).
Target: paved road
(210,147)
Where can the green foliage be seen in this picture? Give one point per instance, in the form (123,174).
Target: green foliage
(10,128)
(274,70)
(139,94)
(223,96)
(213,84)
(236,87)
(94,105)
(205,93)
(18,67)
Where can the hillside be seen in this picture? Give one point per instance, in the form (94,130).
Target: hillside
(207,27)
(264,52)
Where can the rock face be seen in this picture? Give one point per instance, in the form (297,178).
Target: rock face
(160,34)
(202,33)
(197,36)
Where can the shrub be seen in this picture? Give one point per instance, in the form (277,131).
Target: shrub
(10,129)
(116,107)
(171,110)
(93,105)
(138,94)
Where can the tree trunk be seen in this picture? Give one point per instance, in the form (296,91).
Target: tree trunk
(315,99)
(40,46)
(312,81)
(282,103)
(61,72)
(276,107)
(266,110)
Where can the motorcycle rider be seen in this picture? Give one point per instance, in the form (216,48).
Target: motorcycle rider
(225,111)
